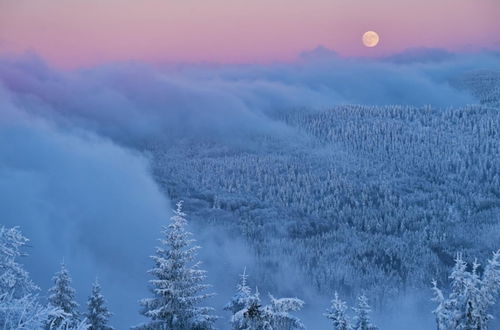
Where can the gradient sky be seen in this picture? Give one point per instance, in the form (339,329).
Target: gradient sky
(71,33)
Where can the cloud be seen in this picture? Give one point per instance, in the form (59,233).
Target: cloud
(83,199)
(421,55)
(318,54)
(135,102)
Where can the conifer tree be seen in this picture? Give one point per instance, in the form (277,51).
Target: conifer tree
(362,318)
(490,287)
(19,304)
(471,297)
(279,315)
(97,312)
(242,297)
(14,280)
(338,314)
(254,316)
(178,282)
(444,311)
(62,296)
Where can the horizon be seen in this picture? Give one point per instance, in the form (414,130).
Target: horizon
(320,53)
(90,32)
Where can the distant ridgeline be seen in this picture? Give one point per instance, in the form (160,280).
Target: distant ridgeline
(374,198)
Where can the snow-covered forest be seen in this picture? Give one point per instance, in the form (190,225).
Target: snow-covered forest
(325,194)
(179,291)
(391,186)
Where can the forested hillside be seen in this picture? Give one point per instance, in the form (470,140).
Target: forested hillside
(375,198)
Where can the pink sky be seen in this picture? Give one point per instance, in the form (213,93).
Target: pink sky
(82,32)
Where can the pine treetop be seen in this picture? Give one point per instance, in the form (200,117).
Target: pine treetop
(62,297)
(338,314)
(178,281)
(242,295)
(97,313)
(362,318)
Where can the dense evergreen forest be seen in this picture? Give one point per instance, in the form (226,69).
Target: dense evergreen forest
(376,198)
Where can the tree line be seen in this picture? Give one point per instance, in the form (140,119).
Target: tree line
(178,292)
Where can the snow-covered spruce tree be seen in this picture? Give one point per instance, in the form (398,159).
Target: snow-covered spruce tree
(444,311)
(242,297)
(362,317)
(471,296)
(24,312)
(252,316)
(62,296)
(19,305)
(177,283)
(451,311)
(14,280)
(97,312)
(474,315)
(279,313)
(338,314)
(490,287)
(275,316)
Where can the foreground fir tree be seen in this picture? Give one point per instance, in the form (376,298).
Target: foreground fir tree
(362,318)
(472,296)
(23,313)
(177,283)
(14,280)
(338,314)
(62,296)
(97,313)
(19,305)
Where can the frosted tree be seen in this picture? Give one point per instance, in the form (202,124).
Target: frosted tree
(62,296)
(362,318)
(444,311)
(66,321)
(242,297)
(14,280)
(254,316)
(19,302)
(476,317)
(450,313)
(19,305)
(24,313)
(279,310)
(490,287)
(471,296)
(338,314)
(178,282)
(97,312)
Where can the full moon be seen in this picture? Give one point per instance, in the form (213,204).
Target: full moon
(370,39)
